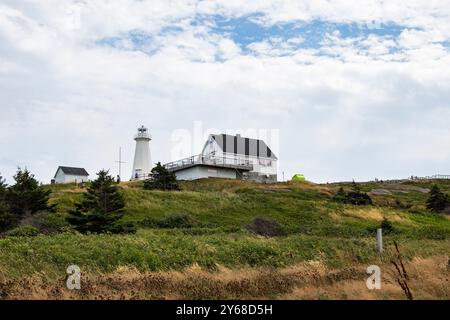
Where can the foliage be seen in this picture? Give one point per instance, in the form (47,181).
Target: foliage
(100,208)
(437,200)
(355,196)
(161,179)
(23,199)
(6,218)
(329,233)
(265,227)
(50,222)
(340,195)
(172,220)
(152,250)
(25,230)
(2,187)
(387,226)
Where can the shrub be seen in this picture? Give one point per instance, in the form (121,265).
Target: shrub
(265,227)
(149,222)
(24,199)
(171,221)
(340,195)
(123,228)
(387,226)
(437,200)
(401,205)
(177,220)
(23,231)
(358,198)
(6,218)
(50,222)
(161,179)
(355,197)
(101,207)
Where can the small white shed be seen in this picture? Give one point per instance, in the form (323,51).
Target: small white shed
(71,175)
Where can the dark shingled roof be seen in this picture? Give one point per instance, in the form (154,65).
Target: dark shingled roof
(73,171)
(243,146)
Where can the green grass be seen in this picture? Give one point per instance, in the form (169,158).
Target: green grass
(152,250)
(317,227)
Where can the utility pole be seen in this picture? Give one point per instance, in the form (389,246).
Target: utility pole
(120,163)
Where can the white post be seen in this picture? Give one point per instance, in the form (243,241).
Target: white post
(380,240)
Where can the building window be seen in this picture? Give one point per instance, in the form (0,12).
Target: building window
(265,162)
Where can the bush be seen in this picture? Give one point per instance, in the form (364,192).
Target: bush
(340,196)
(23,231)
(358,198)
(101,207)
(162,179)
(123,228)
(177,220)
(387,226)
(265,227)
(437,200)
(7,220)
(355,197)
(22,200)
(401,205)
(50,222)
(27,196)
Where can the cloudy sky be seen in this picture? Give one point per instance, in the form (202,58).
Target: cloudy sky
(356,89)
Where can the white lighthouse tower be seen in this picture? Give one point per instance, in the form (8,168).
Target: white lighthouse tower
(142,164)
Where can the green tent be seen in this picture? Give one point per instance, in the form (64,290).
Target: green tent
(298,177)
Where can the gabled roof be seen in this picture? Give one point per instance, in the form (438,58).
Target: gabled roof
(73,171)
(243,146)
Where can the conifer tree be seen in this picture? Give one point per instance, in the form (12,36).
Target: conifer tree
(26,197)
(437,200)
(100,208)
(162,179)
(6,218)
(340,195)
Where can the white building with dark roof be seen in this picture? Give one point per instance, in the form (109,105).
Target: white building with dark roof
(227,156)
(70,175)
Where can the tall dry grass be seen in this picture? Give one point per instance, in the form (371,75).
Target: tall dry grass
(428,279)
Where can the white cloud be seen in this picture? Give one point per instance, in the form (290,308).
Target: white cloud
(353,108)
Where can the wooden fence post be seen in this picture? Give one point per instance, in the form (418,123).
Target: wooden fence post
(380,240)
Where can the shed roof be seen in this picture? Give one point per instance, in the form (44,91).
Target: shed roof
(73,171)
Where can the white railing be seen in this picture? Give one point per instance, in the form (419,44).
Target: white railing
(226,162)
(433,177)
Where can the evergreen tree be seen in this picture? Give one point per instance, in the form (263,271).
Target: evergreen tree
(340,196)
(355,196)
(355,187)
(387,226)
(26,196)
(437,200)
(6,218)
(162,179)
(100,208)
(2,185)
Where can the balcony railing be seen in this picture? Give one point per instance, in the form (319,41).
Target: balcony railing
(224,162)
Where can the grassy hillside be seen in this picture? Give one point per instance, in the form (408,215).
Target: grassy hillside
(318,229)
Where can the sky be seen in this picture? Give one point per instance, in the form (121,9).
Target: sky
(345,89)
